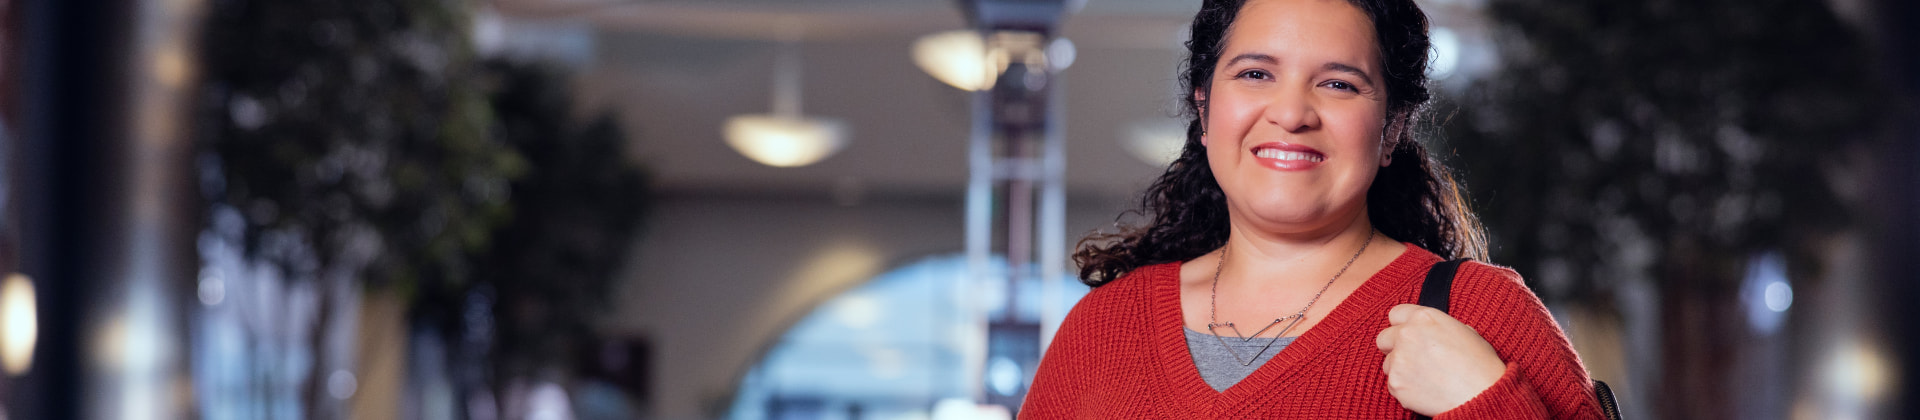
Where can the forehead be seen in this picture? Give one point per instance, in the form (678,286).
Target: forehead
(1311,32)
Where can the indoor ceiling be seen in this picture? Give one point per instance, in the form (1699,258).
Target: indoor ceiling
(676,69)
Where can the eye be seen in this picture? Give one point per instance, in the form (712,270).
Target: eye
(1341,85)
(1254,74)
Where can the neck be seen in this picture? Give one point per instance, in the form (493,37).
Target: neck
(1268,257)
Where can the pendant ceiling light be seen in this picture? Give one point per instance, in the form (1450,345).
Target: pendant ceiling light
(958,58)
(964,59)
(785,138)
(18,327)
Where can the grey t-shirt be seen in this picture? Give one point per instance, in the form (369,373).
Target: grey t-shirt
(1219,367)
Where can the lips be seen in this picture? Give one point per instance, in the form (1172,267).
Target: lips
(1287,156)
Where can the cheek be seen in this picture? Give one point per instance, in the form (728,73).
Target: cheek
(1231,113)
(1220,155)
(1362,130)
(1372,142)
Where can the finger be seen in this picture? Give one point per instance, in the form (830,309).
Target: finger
(1385,340)
(1387,367)
(1403,312)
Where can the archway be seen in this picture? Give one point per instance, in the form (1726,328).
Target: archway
(894,347)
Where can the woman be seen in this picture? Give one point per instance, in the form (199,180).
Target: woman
(1289,241)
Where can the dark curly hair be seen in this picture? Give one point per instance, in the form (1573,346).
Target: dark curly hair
(1415,199)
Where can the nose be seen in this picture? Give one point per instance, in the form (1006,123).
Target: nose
(1293,110)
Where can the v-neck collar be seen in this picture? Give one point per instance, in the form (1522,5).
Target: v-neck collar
(1176,360)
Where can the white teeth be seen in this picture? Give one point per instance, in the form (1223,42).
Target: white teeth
(1286,155)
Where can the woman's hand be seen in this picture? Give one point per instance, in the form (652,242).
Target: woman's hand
(1434,362)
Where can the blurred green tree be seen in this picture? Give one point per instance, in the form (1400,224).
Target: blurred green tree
(355,132)
(351,140)
(1671,140)
(366,142)
(575,212)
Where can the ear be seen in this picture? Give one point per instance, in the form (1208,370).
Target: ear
(1389,140)
(1200,100)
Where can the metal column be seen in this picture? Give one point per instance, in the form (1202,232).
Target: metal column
(1016,158)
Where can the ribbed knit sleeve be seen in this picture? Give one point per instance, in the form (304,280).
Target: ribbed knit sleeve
(1509,398)
(1544,377)
(1063,369)
(1101,357)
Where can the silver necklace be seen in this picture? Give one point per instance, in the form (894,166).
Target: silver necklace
(1213,300)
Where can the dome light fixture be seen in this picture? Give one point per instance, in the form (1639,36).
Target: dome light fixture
(785,141)
(19,327)
(969,61)
(958,58)
(785,138)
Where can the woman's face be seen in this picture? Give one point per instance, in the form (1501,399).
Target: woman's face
(1295,114)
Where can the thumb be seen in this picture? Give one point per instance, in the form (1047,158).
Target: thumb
(1404,312)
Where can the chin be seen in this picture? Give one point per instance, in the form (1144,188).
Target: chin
(1287,215)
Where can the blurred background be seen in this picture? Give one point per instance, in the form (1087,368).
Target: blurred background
(860,209)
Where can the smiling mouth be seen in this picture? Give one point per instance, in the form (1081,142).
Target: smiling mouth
(1278,154)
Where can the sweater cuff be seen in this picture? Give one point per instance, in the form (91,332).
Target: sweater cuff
(1509,398)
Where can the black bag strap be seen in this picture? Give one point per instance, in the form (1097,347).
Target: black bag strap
(1439,285)
(1438,288)
(1434,292)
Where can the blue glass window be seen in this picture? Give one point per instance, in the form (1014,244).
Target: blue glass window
(897,346)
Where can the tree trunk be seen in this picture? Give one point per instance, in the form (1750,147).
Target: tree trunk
(314,386)
(1701,324)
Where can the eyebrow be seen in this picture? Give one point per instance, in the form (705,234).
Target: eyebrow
(1333,66)
(1252,56)
(1344,68)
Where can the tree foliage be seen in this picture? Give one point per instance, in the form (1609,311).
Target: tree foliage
(365,141)
(348,142)
(352,136)
(1625,136)
(575,212)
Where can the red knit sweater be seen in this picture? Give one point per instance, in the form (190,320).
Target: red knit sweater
(1121,354)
